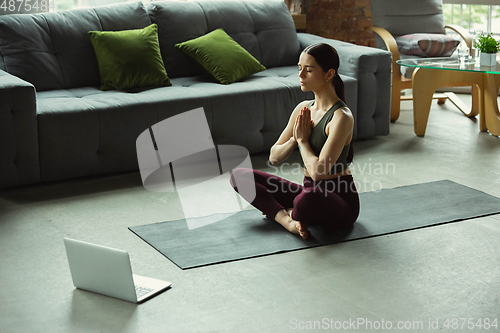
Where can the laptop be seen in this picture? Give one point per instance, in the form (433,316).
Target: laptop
(107,271)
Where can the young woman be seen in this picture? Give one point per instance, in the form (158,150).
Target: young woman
(322,129)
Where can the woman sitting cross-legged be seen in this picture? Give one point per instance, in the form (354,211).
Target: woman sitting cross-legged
(322,129)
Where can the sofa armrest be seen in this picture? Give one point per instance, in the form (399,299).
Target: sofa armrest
(18,132)
(371,67)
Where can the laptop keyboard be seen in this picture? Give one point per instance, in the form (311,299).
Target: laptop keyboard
(141,291)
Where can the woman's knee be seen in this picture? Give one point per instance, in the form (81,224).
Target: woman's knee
(308,196)
(237,175)
(306,204)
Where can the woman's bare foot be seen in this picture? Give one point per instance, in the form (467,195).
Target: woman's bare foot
(302,225)
(283,217)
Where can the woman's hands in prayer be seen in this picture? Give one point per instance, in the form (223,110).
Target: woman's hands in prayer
(303,126)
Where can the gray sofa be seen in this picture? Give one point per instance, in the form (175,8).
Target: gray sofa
(56,124)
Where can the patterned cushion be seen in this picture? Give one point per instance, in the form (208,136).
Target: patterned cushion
(427,45)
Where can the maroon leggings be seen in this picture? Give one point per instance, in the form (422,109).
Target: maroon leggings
(332,203)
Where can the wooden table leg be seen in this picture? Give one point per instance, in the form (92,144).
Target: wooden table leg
(476,100)
(491,114)
(423,88)
(474,110)
(425,83)
(480,101)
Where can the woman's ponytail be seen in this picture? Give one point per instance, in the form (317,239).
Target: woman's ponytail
(338,84)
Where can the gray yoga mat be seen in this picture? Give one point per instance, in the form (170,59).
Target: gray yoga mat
(248,234)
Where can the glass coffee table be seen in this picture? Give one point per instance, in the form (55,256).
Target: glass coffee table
(433,73)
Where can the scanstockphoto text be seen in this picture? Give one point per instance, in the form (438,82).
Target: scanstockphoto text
(430,324)
(27,6)
(357,170)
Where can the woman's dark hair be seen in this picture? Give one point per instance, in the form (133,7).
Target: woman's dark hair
(327,58)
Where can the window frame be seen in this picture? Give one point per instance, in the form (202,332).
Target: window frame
(489,3)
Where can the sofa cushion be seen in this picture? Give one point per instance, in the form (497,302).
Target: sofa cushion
(427,45)
(425,16)
(221,56)
(58,44)
(264,28)
(129,58)
(86,131)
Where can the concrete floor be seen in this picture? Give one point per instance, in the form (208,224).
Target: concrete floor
(417,278)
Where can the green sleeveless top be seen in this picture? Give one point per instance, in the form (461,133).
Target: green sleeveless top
(318,138)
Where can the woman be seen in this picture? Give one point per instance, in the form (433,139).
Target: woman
(322,129)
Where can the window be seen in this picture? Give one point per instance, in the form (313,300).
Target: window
(473,15)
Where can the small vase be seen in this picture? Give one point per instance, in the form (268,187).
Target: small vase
(488,59)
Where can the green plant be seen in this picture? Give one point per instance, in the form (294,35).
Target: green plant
(487,44)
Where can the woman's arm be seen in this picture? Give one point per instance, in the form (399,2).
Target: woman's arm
(280,152)
(340,129)
(286,143)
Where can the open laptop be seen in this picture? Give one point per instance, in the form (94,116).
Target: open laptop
(107,271)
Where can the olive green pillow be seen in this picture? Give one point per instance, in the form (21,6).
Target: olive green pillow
(221,56)
(129,58)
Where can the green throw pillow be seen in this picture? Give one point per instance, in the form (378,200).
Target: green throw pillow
(221,56)
(129,58)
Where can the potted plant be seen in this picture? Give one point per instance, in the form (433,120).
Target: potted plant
(488,46)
